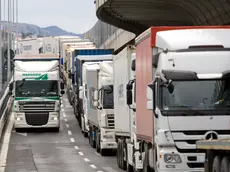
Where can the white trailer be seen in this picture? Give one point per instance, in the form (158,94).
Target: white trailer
(124,116)
(50,45)
(100,107)
(31,46)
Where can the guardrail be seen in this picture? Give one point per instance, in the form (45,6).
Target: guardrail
(6,102)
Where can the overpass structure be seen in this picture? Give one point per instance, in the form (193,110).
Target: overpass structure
(121,20)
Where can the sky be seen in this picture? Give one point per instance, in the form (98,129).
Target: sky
(76,16)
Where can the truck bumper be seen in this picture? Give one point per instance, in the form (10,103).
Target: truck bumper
(108,145)
(108,139)
(179,170)
(53,121)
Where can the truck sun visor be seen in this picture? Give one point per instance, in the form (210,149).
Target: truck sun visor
(179,74)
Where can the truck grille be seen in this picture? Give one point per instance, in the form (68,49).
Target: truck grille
(110,121)
(37,106)
(37,119)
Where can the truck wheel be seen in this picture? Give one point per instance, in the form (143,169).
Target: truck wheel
(216,164)
(56,129)
(103,152)
(224,165)
(123,162)
(98,142)
(118,153)
(146,167)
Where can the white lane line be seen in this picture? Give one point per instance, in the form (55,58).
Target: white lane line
(61,105)
(67,125)
(65,119)
(62,110)
(64,115)
(109,169)
(69,132)
(5,144)
(97,153)
(81,153)
(93,166)
(72,140)
(76,147)
(86,160)
(99,171)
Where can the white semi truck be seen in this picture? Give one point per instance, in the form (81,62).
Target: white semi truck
(180,81)
(37,91)
(100,106)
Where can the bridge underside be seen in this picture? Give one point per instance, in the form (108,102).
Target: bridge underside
(138,15)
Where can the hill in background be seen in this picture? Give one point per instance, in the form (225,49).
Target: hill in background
(31,29)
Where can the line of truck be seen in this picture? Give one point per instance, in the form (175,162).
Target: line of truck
(154,100)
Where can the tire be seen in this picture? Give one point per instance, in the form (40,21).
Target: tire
(103,152)
(56,129)
(123,162)
(216,164)
(119,153)
(98,142)
(18,130)
(146,167)
(224,164)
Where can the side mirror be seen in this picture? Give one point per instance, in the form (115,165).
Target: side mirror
(95,95)
(151,96)
(62,85)
(69,74)
(129,86)
(81,94)
(95,103)
(11,86)
(73,79)
(129,97)
(62,92)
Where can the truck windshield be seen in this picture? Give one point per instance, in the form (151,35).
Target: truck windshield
(202,94)
(36,88)
(108,98)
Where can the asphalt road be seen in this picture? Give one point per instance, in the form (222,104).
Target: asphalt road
(66,151)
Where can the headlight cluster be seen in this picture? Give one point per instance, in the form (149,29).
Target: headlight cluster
(172,158)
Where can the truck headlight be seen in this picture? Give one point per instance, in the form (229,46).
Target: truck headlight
(172,158)
(54,118)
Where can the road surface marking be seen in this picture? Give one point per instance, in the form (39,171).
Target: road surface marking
(69,132)
(5,144)
(81,153)
(23,134)
(67,125)
(86,160)
(64,115)
(99,171)
(62,110)
(76,147)
(97,153)
(109,169)
(72,140)
(65,119)
(93,166)
(61,105)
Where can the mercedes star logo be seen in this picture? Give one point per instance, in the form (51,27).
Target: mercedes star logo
(211,135)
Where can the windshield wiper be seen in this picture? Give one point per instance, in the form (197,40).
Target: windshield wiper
(197,112)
